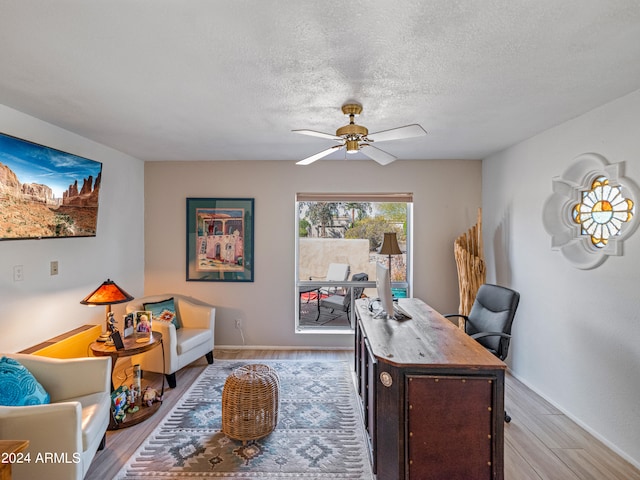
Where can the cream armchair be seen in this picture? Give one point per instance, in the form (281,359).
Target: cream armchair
(65,434)
(182,346)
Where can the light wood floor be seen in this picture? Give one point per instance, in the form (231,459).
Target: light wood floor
(540,442)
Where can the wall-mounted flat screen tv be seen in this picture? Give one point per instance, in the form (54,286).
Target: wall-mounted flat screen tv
(46,193)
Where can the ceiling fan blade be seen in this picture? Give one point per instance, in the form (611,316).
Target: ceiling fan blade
(380,156)
(319,155)
(408,131)
(313,133)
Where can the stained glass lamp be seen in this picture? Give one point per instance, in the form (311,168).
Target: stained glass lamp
(107,294)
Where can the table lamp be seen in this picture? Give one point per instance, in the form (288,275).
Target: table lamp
(390,247)
(107,294)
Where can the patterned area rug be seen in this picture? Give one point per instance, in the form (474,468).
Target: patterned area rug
(319,433)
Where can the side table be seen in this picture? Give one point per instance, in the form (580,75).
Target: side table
(131,347)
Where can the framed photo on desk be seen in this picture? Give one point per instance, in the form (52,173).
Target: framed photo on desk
(142,322)
(129,324)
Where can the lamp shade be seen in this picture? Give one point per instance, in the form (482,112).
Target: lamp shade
(390,244)
(107,294)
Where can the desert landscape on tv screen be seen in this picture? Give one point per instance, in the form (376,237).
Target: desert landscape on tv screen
(46,193)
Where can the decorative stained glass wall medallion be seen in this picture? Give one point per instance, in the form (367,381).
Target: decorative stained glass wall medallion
(602,211)
(591,211)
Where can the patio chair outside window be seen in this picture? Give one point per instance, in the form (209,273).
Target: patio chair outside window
(343,302)
(337,272)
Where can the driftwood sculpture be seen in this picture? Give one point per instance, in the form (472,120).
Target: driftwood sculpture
(469,255)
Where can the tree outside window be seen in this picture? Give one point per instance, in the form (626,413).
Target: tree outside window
(356,220)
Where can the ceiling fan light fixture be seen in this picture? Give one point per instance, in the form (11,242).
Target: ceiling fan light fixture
(352,130)
(354,138)
(353,146)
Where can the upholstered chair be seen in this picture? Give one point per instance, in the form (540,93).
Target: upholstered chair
(187,332)
(64,434)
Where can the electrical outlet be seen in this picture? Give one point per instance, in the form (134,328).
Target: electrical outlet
(54,267)
(238,324)
(18,273)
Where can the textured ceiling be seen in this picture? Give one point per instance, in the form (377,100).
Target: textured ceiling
(227,80)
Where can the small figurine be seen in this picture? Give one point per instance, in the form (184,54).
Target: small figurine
(132,408)
(111,322)
(151,395)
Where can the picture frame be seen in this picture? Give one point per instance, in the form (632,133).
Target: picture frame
(128,325)
(143,320)
(47,193)
(117,340)
(220,238)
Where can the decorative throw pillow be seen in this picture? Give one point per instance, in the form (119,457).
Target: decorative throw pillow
(164,311)
(18,387)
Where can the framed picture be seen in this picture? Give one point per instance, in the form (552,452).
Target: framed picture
(220,239)
(117,340)
(46,193)
(129,322)
(142,323)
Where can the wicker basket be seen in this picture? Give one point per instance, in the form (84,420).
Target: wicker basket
(250,402)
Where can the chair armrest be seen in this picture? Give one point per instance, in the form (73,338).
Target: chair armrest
(460,316)
(46,426)
(327,289)
(475,336)
(196,315)
(68,378)
(317,277)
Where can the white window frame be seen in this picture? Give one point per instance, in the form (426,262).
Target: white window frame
(341,197)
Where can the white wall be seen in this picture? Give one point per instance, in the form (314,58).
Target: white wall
(447,195)
(42,306)
(577,332)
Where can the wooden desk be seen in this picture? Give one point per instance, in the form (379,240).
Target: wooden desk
(10,453)
(131,347)
(433,398)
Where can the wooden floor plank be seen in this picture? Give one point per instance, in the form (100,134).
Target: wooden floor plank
(540,442)
(557,431)
(516,467)
(590,467)
(542,459)
(518,394)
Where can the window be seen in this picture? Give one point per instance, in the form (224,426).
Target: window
(342,233)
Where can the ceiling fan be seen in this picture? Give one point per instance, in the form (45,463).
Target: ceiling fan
(356,138)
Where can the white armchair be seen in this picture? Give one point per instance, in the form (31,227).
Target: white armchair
(182,346)
(65,434)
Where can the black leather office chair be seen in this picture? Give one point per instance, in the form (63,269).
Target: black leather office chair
(490,319)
